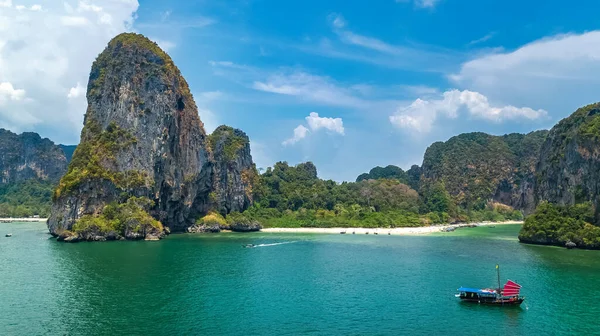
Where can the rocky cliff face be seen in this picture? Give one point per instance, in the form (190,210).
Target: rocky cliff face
(477,167)
(235,173)
(142,137)
(28,156)
(569,168)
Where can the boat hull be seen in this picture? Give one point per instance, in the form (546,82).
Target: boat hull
(496,302)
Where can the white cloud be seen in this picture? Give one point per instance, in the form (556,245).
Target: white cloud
(421,3)
(482,39)
(76,91)
(310,87)
(559,73)
(333,124)
(47,52)
(367,49)
(337,20)
(300,133)
(8,92)
(426,3)
(422,114)
(316,123)
(74,21)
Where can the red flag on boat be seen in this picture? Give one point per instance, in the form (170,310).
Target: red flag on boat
(511,288)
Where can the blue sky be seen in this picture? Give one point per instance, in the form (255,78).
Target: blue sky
(346,84)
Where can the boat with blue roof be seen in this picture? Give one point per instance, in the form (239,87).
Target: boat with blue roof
(507,295)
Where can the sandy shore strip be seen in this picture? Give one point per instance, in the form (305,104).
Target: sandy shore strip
(22,220)
(386,231)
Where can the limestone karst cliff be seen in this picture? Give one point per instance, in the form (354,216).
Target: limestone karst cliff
(28,156)
(143,151)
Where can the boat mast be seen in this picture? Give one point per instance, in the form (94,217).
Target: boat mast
(498,269)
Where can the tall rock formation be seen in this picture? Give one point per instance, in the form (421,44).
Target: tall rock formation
(568,171)
(235,173)
(142,137)
(28,156)
(476,167)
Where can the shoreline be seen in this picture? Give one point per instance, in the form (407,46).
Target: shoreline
(402,231)
(23,220)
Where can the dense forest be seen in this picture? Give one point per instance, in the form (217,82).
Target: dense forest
(294,196)
(25,199)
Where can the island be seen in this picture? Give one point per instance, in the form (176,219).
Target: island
(145,167)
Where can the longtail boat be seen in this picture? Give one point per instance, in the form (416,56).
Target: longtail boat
(509,295)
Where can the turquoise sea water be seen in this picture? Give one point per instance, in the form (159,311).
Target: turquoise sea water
(311,285)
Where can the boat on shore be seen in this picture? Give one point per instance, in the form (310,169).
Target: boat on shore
(509,295)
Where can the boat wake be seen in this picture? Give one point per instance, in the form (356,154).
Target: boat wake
(274,244)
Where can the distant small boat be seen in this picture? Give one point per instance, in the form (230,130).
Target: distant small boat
(509,295)
(249,245)
(8,235)
(342,232)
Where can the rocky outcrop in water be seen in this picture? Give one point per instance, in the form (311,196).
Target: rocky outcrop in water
(235,173)
(28,156)
(142,137)
(145,164)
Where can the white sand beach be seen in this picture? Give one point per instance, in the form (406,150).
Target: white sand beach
(406,231)
(19,220)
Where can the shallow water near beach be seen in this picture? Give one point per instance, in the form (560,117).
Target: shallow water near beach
(291,284)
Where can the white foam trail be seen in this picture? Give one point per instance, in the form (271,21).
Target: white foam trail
(273,244)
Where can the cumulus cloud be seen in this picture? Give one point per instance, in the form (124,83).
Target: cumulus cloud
(76,91)
(560,72)
(332,124)
(8,92)
(316,123)
(48,54)
(422,114)
(300,133)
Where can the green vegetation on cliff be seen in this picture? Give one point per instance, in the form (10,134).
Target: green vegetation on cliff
(557,225)
(475,168)
(233,142)
(94,157)
(410,177)
(120,219)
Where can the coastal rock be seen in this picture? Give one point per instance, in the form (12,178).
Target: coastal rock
(142,137)
(235,173)
(204,229)
(151,237)
(249,226)
(570,245)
